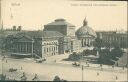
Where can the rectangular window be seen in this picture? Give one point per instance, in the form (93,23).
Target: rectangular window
(44,50)
(47,49)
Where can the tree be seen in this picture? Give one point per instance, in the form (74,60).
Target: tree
(98,43)
(75,56)
(116,52)
(104,57)
(107,45)
(115,45)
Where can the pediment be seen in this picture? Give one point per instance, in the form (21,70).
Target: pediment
(24,39)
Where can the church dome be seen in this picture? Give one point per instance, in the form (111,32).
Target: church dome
(85,31)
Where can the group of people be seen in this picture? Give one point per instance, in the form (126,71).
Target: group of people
(57,78)
(24,77)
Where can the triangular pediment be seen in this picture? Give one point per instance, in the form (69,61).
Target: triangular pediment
(24,39)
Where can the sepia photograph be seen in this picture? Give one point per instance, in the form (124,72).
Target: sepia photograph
(63,40)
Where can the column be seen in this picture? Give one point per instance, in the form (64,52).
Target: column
(83,42)
(26,48)
(86,41)
(19,47)
(89,42)
(32,49)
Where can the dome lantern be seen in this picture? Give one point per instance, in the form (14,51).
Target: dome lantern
(85,22)
(85,30)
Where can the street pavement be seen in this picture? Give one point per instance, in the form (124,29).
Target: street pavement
(64,69)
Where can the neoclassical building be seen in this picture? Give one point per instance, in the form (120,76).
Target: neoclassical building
(86,34)
(57,37)
(69,42)
(62,26)
(114,37)
(41,43)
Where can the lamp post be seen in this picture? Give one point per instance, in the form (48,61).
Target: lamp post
(82,69)
(32,47)
(82,73)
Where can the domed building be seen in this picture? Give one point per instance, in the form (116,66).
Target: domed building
(86,34)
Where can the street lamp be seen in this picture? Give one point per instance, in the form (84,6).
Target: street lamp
(82,73)
(82,68)
(32,47)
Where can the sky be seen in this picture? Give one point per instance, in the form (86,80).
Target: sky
(34,14)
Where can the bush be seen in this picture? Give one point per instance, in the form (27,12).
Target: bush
(108,57)
(89,52)
(75,56)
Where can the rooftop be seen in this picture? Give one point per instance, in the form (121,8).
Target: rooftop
(61,22)
(38,34)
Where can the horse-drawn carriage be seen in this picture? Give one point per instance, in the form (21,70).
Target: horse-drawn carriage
(40,60)
(12,70)
(76,64)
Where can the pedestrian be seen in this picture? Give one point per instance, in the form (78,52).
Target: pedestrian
(116,77)
(6,61)
(21,68)
(101,69)
(123,67)
(126,65)
(88,65)
(101,65)
(23,77)
(117,64)
(55,61)
(57,78)
(113,66)
(97,74)
(35,78)
(14,79)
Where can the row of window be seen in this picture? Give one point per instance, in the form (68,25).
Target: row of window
(115,38)
(47,43)
(53,48)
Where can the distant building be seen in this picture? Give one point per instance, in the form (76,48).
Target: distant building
(8,32)
(62,26)
(56,38)
(114,37)
(68,30)
(41,43)
(86,34)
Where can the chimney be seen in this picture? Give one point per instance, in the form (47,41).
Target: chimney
(19,28)
(14,28)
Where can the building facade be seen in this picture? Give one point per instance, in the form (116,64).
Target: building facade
(68,30)
(39,43)
(113,38)
(57,37)
(86,34)
(50,47)
(62,26)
